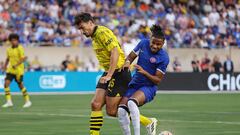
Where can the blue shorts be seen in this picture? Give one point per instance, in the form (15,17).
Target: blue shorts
(149,91)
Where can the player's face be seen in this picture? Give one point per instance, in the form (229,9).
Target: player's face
(156,44)
(86,28)
(14,42)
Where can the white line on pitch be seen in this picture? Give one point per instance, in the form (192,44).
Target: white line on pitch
(86,116)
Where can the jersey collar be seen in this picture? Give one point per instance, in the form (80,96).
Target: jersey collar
(94,31)
(15,46)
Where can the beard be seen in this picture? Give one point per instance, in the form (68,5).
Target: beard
(154,50)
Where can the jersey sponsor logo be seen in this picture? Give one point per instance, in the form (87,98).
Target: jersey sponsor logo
(52,81)
(99,50)
(109,42)
(222,82)
(153,60)
(2,81)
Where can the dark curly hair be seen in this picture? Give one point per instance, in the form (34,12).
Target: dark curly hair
(157,31)
(13,36)
(83,17)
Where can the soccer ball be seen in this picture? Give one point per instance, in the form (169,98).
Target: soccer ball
(165,133)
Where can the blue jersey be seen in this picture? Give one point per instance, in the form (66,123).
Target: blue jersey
(150,62)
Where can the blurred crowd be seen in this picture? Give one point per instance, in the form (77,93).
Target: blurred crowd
(186,23)
(206,64)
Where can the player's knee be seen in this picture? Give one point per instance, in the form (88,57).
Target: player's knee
(122,110)
(132,103)
(96,106)
(112,112)
(6,83)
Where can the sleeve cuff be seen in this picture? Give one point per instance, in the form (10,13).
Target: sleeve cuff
(160,70)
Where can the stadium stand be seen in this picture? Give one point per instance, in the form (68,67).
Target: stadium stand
(187,24)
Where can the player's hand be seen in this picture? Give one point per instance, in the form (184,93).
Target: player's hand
(105,79)
(126,65)
(140,69)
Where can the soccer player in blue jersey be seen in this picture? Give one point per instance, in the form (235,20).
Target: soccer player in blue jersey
(150,69)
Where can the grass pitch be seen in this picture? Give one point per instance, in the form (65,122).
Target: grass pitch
(182,114)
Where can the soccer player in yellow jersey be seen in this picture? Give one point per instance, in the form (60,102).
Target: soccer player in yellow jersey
(15,69)
(114,81)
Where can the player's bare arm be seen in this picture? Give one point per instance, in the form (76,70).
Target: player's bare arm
(5,64)
(113,64)
(156,79)
(130,58)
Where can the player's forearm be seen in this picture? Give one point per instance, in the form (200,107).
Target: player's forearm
(153,78)
(131,57)
(113,61)
(6,63)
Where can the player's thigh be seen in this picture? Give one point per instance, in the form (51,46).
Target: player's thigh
(124,101)
(112,105)
(139,96)
(118,85)
(98,99)
(8,79)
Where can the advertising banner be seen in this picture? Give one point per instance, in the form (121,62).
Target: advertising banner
(86,82)
(201,81)
(56,81)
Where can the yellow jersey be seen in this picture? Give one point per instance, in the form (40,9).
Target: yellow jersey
(15,55)
(103,41)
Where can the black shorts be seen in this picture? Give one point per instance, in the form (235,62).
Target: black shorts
(10,77)
(118,84)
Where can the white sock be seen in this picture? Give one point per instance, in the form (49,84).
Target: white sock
(124,121)
(135,116)
(9,101)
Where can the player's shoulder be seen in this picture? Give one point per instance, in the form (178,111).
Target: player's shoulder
(163,54)
(20,47)
(103,32)
(144,42)
(102,29)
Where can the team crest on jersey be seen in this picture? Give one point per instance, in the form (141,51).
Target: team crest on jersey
(153,60)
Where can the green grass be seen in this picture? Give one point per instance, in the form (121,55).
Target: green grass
(182,114)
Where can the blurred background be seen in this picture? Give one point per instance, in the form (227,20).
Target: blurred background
(202,39)
(195,31)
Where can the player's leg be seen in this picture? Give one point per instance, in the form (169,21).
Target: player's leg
(116,89)
(96,119)
(123,116)
(112,105)
(98,101)
(7,82)
(123,113)
(19,80)
(142,96)
(137,99)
